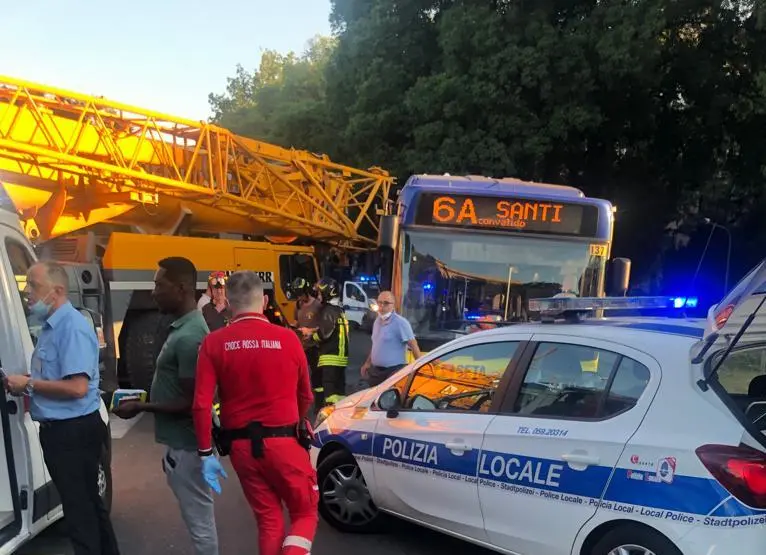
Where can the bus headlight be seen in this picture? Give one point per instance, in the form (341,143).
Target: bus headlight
(374,306)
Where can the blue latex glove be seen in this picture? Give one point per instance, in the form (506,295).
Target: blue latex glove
(211,470)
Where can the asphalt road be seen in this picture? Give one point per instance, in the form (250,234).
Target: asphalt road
(147,521)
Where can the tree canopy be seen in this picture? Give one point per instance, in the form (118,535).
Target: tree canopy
(656,105)
(283,101)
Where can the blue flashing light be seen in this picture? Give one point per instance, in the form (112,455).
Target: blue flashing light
(478,316)
(428,286)
(561,306)
(685,302)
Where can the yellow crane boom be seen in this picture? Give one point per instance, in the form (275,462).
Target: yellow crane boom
(69,161)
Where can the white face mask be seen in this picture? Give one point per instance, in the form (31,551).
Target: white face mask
(387,315)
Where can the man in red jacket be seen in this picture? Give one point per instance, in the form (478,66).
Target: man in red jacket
(263,383)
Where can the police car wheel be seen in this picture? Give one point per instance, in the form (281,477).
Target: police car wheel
(634,540)
(344,500)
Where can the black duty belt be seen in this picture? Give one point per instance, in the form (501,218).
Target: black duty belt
(256,433)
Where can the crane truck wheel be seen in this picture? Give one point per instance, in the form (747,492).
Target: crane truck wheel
(144,337)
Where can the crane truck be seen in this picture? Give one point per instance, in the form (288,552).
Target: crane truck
(110,189)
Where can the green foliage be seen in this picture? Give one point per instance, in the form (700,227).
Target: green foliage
(283,101)
(657,105)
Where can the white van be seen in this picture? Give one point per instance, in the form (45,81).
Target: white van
(360,302)
(29,502)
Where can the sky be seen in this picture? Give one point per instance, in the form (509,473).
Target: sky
(164,55)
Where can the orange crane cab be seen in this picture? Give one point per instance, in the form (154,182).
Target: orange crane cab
(96,181)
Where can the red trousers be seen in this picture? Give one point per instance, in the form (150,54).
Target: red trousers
(283,474)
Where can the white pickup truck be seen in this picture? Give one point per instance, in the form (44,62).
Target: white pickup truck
(29,502)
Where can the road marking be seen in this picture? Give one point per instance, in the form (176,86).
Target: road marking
(121,427)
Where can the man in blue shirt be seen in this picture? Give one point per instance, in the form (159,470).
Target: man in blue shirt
(391,336)
(65,400)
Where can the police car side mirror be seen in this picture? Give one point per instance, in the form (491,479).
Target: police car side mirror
(390,401)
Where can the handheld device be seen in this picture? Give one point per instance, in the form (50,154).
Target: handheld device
(125,395)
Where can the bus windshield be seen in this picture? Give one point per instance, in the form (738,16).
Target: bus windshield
(450,281)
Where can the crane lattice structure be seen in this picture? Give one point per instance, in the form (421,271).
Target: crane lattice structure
(70,160)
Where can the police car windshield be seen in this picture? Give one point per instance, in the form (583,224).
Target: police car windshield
(449,280)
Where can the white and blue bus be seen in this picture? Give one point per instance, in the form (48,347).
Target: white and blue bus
(468,251)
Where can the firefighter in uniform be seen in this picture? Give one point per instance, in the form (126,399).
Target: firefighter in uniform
(262,377)
(331,336)
(217,312)
(307,309)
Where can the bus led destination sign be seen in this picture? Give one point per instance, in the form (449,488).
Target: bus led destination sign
(502,213)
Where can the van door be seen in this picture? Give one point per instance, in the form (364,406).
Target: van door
(45,501)
(355,302)
(14,439)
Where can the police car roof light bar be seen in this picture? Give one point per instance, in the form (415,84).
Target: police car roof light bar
(576,307)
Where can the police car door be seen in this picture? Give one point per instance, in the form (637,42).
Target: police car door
(427,450)
(546,460)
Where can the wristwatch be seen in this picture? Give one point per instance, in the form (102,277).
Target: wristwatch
(30,387)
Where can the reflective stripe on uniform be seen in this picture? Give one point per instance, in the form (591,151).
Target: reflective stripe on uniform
(297,541)
(342,334)
(332,360)
(319,390)
(334,398)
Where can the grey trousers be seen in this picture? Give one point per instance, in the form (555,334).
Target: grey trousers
(183,470)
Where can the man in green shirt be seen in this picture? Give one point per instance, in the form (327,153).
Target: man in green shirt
(171,398)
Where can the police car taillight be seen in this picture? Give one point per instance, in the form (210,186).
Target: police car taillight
(722,317)
(741,470)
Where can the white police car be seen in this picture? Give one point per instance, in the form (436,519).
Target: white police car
(609,436)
